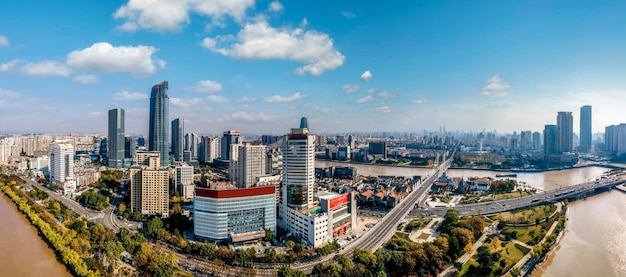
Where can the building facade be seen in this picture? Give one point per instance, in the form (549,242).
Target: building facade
(251,164)
(149,190)
(298,169)
(565,132)
(183,180)
(116,141)
(230,137)
(158,131)
(178,131)
(550,141)
(585,129)
(234,215)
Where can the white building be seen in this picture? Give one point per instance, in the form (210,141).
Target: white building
(251,164)
(183,180)
(62,165)
(233,163)
(234,214)
(298,169)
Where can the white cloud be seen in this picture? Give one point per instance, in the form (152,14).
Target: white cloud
(495,87)
(348,14)
(420,101)
(185,102)
(277,98)
(259,40)
(349,88)
(172,15)
(46,68)
(86,79)
(249,117)
(365,99)
(206,86)
(386,95)
(366,76)
(10,65)
(276,6)
(372,90)
(4,41)
(129,96)
(383,109)
(321,110)
(246,99)
(104,57)
(217,98)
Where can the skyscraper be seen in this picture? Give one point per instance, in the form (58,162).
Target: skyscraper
(585,128)
(230,137)
(178,131)
(549,141)
(158,133)
(116,142)
(62,161)
(565,132)
(298,168)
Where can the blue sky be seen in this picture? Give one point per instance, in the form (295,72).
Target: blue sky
(258,66)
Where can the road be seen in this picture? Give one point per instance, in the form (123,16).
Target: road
(492,207)
(106,217)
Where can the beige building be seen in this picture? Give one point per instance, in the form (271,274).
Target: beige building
(149,190)
(148,158)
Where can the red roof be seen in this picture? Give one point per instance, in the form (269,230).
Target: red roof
(483,180)
(367,193)
(234,193)
(441,184)
(380,194)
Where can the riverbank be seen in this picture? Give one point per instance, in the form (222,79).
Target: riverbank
(472,168)
(16,232)
(73,262)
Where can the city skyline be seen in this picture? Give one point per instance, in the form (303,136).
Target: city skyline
(346,66)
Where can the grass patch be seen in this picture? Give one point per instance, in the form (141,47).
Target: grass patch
(466,268)
(528,216)
(530,235)
(510,255)
(502,196)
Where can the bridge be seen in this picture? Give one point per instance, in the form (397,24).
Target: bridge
(570,192)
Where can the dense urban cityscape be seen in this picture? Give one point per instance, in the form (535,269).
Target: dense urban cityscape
(288,139)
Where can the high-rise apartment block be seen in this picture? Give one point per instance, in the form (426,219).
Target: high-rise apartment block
(585,129)
(62,165)
(536,141)
(116,141)
(158,132)
(183,180)
(209,149)
(251,164)
(550,134)
(149,190)
(178,131)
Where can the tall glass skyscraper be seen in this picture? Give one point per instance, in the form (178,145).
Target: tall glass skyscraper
(585,128)
(116,142)
(158,133)
(178,131)
(565,132)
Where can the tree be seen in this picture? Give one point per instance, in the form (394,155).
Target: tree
(485,259)
(287,271)
(495,243)
(241,257)
(121,209)
(208,250)
(298,247)
(515,272)
(269,235)
(154,227)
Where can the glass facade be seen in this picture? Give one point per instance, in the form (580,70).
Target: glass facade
(158,133)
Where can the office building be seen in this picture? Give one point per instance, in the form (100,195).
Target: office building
(191,144)
(178,131)
(251,164)
(183,180)
(149,190)
(130,148)
(209,149)
(115,139)
(158,131)
(585,129)
(298,169)
(234,215)
(565,132)
(536,141)
(550,134)
(269,139)
(378,148)
(274,162)
(230,137)
(526,140)
(304,123)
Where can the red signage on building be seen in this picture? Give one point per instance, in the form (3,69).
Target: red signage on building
(339,200)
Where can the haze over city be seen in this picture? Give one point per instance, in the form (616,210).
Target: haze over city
(347,66)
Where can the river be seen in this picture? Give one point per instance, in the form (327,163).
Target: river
(22,251)
(594,243)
